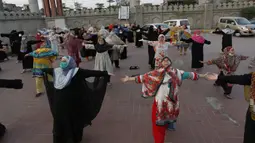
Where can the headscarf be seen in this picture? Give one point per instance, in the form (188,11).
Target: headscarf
(156,77)
(227,50)
(151,29)
(227,30)
(161,35)
(197,37)
(63,76)
(46,42)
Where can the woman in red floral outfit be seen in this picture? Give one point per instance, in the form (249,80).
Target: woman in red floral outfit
(163,84)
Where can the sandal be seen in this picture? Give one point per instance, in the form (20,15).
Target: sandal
(134,68)
(228,96)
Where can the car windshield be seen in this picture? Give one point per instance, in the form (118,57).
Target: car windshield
(242,21)
(184,22)
(164,26)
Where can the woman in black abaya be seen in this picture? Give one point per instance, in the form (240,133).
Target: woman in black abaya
(15,42)
(248,80)
(73,101)
(197,49)
(226,38)
(138,33)
(3,55)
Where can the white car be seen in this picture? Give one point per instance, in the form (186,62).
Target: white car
(177,22)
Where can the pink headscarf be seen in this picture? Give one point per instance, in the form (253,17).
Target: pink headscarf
(197,37)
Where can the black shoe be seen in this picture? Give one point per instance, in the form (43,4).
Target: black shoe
(38,94)
(215,84)
(117,67)
(2,130)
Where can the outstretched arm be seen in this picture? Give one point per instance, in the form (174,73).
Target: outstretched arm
(165,32)
(92,73)
(209,62)
(243,57)
(6,83)
(191,75)
(207,42)
(237,79)
(187,40)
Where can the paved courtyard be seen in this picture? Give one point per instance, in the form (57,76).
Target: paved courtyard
(206,116)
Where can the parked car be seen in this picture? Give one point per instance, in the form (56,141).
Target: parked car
(177,22)
(241,25)
(252,21)
(145,28)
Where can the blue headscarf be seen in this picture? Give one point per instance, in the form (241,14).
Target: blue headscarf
(64,75)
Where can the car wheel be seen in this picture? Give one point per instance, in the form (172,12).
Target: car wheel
(237,34)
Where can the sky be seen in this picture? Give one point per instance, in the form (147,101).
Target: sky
(85,3)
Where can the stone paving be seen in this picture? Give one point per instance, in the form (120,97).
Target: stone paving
(206,116)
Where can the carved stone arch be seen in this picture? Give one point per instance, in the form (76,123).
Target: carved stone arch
(156,20)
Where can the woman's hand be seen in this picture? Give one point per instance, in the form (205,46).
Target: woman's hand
(212,76)
(125,79)
(203,62)
(26,55)
(111,74)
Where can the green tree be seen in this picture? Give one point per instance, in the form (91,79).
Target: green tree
(77,5)
(99,5)
(189,2)
(248,12)
(110,2)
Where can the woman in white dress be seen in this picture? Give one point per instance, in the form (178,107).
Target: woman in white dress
(160,48)
(102,60)
(53,37)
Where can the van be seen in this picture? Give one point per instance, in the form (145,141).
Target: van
(177,22)
(240,25)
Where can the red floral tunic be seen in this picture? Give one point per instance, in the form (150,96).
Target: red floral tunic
(163,84)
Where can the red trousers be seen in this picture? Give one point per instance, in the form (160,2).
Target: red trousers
(158,131)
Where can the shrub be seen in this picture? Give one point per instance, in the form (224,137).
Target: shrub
(248,12)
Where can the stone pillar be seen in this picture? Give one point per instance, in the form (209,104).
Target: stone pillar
(46,6)
(33,6)
(59,8)
(1,5)
(139,15)
(208,16)
(53,8)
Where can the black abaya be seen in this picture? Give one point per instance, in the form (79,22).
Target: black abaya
(226,40)
(76,105)
(130,36)
(197,53)
(27,62)
(15,41)
(138,37)
(3,55)
(90,52)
